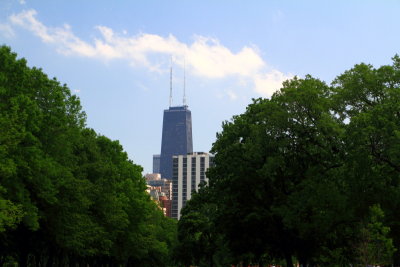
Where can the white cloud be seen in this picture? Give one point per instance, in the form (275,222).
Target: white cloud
(266,84)
(27,20)
(205,57)
(64,39)
(209,58)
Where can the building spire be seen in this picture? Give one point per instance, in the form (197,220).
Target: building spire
(184,82)
(170,85)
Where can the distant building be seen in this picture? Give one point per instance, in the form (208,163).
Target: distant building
(176,137)
(160,190)
(156,163)
(176,140)
(188,172)
(165,203)
(164,185)
(155,193)
(152,177)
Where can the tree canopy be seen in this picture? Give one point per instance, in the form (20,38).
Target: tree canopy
(309,175)
(67,194)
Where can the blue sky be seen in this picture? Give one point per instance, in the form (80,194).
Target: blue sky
(115,55)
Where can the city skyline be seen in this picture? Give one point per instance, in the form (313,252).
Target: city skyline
(116,57)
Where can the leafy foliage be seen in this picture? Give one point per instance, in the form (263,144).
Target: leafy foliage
(374,245)
(68,195)
(306,173)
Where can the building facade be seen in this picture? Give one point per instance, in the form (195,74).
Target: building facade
(155,181)
(176,137)
(156,163)
(188,172)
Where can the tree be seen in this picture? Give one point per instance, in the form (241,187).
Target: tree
(68,195)
(10,214)
(199,242)
(367,100)
(296,175)
(375,247)
(275,164)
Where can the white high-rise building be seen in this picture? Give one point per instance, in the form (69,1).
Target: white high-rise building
(188,172)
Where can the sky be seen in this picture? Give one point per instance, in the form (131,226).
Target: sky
(116,55)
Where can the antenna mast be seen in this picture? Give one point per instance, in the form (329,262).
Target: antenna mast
(170,85)
(184,82)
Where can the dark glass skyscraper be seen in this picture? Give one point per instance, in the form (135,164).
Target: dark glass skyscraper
(176,137)
(156,163)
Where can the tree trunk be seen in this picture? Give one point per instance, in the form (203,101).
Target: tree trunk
(38,260)
(23,259)
(72,260)
(302,263)
(289,262)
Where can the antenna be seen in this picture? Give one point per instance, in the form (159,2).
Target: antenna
(184,81)
(170,85)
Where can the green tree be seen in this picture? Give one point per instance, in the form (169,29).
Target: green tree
(68,195)
(10,214)
(199,242)
(296,174)
(284,190)
(375,247)
(367,100)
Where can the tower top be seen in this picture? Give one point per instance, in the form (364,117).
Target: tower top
(184,103)
(184,82)
(170,85)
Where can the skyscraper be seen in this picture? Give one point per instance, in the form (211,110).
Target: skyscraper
(176,137)
(188,172)
(156,163)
